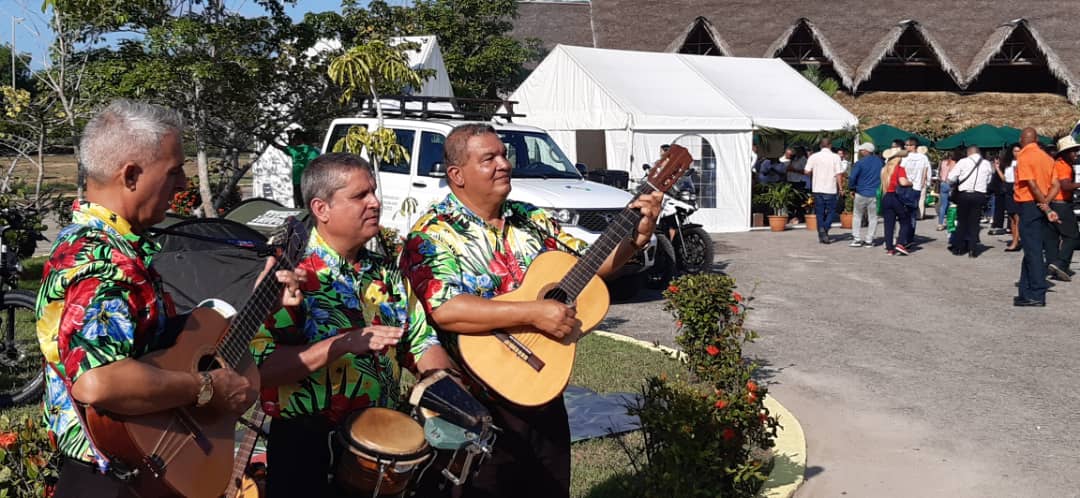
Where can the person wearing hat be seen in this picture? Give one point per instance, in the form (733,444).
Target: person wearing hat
(1063,237)
(865,180)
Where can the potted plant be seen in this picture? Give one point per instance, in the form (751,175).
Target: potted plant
(810,217)
(778,196)
(849,210)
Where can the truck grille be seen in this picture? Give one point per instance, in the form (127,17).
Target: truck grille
(597,220)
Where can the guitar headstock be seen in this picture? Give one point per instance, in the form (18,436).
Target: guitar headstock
(290,240)
(669,168)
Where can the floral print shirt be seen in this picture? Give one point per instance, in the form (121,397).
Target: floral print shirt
(99,302)
(452,251)
(339,295)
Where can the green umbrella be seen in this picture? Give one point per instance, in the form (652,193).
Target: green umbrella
(1013,134)
(983,136)
(883,135)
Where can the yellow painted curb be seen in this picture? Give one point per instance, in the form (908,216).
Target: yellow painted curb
(790,462)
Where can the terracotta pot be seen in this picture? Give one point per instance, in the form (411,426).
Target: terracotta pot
(845,220)
(811,222)
(758,220)
(777,223)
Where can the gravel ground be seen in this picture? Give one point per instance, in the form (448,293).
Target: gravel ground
(912,376)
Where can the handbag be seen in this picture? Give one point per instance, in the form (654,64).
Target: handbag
(908,196)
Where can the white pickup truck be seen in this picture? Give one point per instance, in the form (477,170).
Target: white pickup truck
(542,176)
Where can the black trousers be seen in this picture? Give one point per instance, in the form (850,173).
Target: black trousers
(531,457)
(80,479)
(969,207)
(1063,237)
(298,459)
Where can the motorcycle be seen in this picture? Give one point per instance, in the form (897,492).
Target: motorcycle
(682,246)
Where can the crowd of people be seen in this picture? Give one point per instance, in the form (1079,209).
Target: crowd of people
(1024,190)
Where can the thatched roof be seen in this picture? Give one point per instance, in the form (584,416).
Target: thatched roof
(839,65)
(963,34)
(718,40)
(939,114)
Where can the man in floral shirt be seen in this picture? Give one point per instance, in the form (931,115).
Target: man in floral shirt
(475,245)
(335,353)
(101,305)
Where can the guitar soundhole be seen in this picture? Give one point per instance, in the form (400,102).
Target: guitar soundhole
(208,363)
(558,295)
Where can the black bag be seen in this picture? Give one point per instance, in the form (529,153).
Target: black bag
(954,188)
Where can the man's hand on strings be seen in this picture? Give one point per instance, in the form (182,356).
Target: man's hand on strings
(292,296)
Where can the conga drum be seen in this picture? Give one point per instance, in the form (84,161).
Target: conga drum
(383,449)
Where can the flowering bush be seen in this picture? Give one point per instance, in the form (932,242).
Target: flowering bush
(28,461)
(706,438)
(185,202)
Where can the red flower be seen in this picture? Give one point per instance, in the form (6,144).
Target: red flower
(721,404)
(734,309)
(339,404)
(737,296)
(712,350)
(728,434)
(358,403)
(678,323)
(751,386)
(672,289)
(72,360)
(763,417)
(312,265)
(7,439)
(64,255)
(505,266)
(751,397)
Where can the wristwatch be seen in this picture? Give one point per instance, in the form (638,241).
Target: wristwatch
(206,390)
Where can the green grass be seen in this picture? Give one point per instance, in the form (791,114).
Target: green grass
(30,278)
(606,365)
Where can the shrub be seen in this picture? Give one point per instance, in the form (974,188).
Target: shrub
(28,461)
(706,438)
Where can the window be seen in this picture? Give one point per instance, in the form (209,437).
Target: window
(535,155)
(431,152)
(405,138)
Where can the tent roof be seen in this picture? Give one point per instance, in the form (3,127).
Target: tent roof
(586,88)
(882,136)
(1013,135)
(984,136)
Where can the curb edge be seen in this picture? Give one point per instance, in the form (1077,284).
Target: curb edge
(786,476)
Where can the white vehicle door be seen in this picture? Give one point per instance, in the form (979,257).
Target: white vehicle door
(394,183)
(428,189)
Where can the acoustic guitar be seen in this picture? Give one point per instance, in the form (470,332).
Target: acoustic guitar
(188,451)
(528,367)
(244,483)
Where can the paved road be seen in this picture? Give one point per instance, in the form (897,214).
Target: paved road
(912,376)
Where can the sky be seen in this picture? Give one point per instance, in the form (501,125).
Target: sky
(32,32)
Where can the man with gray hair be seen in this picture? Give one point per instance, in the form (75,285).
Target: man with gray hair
(324,358)
(101,305)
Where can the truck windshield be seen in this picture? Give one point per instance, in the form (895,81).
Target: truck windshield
(535,155)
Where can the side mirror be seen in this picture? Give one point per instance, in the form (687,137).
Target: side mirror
(646,166)
(438,170)
(581,168)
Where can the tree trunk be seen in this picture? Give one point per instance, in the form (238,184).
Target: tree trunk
(374,157)
(238,173)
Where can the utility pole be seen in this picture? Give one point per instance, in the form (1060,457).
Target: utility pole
(13,21)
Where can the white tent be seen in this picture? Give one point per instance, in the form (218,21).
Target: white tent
(614,108)
(272,171)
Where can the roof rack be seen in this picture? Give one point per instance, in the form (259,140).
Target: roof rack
(414,106)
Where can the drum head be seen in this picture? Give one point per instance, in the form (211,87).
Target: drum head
(386,434)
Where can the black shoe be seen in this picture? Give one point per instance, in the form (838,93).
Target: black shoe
(1028,303)
(1014,249)
(1058,273)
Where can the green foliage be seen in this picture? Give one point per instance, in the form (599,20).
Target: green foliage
(778,197)
(483,61)
(706,441)
(364,68)
(829,86)
(381,144)
(23,80)
(28,461)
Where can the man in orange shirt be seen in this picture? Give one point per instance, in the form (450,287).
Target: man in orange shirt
(1064,237)
(1036,185)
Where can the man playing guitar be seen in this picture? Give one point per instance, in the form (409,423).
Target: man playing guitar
(475,245)
(101,306)
(323,359)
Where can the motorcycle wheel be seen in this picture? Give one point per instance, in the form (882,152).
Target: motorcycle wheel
(663,269)
(694,250)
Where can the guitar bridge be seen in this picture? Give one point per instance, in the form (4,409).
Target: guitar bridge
(154,464)
(520,350)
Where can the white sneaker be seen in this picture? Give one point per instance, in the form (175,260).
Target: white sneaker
(855,243)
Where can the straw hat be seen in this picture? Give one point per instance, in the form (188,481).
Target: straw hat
(1066,143)
(893,152)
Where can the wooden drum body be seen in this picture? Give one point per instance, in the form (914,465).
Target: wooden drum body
(383,450)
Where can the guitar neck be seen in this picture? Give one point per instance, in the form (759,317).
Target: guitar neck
(620,228)
(267,296)
(243,455)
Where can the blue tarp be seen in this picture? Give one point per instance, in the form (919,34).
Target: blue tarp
(595,415)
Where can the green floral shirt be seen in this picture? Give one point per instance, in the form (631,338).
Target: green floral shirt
(99,302)
(452,251)
(339,295)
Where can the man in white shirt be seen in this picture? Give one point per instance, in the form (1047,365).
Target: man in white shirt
(827,180)
(973,175)
(917,167)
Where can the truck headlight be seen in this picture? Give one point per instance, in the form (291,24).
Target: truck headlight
(564,216)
